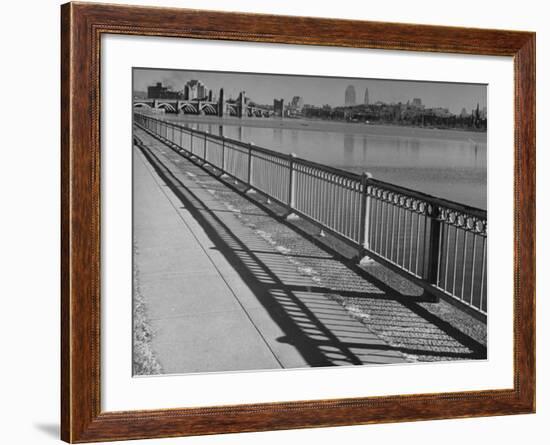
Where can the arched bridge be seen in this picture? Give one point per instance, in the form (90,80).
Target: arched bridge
(236,108)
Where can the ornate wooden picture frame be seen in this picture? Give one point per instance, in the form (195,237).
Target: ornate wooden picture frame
(82,26)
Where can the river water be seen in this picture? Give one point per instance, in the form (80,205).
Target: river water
(444,163)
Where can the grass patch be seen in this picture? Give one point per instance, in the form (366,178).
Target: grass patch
(143,358)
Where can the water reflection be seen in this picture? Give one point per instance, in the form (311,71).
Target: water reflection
(278,136)
(349,147)
(415,147)
(295,137)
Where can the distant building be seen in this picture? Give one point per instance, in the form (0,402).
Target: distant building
(278,107)
(366,101)
(349,96)
(196,90)
(417,102)
(464,113)
(295,107)
(158,91)
(297,102)
(441,112)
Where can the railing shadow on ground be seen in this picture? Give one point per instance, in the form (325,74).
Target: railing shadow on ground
(289,297)
(406,300)
(295,320)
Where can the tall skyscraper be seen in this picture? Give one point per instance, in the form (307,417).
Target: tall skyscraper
(349,95)
(195,89)
(278,107)
(366,102)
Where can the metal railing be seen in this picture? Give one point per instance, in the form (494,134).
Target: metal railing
(438,244)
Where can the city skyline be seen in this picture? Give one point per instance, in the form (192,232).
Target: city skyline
(317,90)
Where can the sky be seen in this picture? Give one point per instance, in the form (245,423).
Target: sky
(263,88)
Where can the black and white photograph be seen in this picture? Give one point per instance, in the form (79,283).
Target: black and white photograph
(243,223)
(288,221)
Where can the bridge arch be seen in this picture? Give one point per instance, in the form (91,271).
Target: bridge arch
(209,109)
(232,109)
(188,108)
(141,105)
(167,107)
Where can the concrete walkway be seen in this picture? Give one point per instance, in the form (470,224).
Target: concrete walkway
(221,298)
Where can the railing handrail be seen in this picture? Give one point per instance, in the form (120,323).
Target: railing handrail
(429,199)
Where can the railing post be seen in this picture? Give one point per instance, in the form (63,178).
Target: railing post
(364,224)
(249,177)
(205,153)
(223,156)
(432,247)
(291,201)
(191,141)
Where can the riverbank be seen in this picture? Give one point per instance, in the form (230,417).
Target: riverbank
(335,126)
